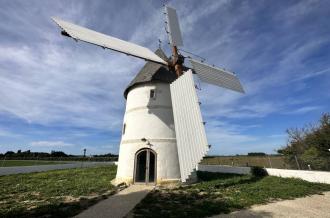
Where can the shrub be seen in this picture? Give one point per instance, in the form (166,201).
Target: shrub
(258,171)
(309,145)
(209,176)
(256,154)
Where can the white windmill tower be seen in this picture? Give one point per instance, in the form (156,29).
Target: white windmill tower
(163,136)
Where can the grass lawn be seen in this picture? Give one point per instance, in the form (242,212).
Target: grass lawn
(59,193)
(15,163)
(222,193)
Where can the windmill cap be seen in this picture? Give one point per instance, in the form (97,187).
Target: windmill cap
(152,72)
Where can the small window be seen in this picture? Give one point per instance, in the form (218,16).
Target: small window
(124,128)
(153,94)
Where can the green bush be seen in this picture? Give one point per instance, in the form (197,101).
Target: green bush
(257,171)
(309,145)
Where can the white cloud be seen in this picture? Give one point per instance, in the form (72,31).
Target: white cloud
(277,136)
(303,110)
(6,133)
(50,144)
(223,133)
(312,75)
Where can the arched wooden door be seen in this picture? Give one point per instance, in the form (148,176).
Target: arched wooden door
(145,166)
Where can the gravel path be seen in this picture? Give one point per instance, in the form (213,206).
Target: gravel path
(41,168)
(118,205)
(311,206)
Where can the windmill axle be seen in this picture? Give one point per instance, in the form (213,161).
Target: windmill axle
(63,33)
(177,61)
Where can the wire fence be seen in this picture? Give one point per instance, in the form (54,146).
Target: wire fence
(267,161)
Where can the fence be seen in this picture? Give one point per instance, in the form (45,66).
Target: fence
(267,161)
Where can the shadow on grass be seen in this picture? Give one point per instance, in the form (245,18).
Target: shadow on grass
(218,193)
(208,176)
(227,180)
(180,204)
(213,194)
(247,213)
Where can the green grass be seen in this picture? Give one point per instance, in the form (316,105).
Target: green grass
(222,193)
(60,193)
(15,163)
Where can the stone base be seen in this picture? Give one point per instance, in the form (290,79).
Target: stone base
(129,181)
(192,178)
(168,181)
(118,181)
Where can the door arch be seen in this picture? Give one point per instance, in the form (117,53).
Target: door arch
(145,166)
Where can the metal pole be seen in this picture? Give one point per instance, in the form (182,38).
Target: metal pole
(82,162)
(270,163)
(3,161)
(36,161)
(295,157)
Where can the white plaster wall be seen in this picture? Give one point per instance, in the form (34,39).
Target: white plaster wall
(310,176)
(151,119)
(139,96)
(167,165)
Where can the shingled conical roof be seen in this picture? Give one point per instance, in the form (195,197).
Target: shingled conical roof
(152,72)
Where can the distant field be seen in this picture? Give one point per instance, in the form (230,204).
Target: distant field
(58,193)
(262,161)
(14,163)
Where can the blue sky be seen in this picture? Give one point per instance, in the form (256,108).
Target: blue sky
(57,94)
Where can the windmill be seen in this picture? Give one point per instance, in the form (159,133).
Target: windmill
(163,135)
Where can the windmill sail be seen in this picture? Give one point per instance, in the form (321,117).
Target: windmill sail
(105,41)
(216,76)
(173,27)
(189,128)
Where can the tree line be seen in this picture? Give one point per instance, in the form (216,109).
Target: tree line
(54,155)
